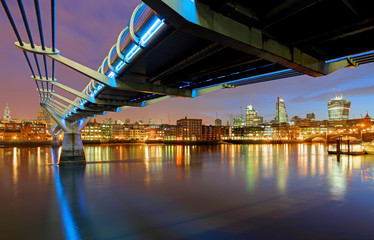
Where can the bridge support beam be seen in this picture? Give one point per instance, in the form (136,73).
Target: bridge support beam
(72,149)
(72,146)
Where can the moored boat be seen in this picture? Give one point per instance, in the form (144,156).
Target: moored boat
(346,147)
(368,147)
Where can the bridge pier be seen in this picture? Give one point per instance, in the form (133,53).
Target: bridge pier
(72,146)
(55,141)
(72,149)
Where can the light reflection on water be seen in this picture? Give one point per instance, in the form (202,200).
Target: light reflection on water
(196,192)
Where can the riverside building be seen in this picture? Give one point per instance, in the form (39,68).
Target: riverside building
(251,118)
(281,115)
(338,108)
(190,129)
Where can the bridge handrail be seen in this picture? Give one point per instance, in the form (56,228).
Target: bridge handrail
(141,16)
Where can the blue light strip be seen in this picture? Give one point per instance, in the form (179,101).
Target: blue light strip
(362,54)
(70,227)
(352,56)
(262,75)
(111,74)
(151,31)
(143,41)
(155,27)
(132,53)
(120,65)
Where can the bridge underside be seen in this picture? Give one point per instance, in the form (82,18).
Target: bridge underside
(242,42)
(323,29)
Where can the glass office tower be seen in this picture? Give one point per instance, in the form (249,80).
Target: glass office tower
(338,108)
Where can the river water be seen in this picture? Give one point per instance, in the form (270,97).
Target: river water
(284,191)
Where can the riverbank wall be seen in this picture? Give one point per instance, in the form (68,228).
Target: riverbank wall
(36,143)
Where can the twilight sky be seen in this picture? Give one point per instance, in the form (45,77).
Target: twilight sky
(87,29)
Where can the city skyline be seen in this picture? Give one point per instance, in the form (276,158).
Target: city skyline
(77,36)
(243,115)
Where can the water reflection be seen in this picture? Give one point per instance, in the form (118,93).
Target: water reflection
(69,190)
(137,191)
(15,167)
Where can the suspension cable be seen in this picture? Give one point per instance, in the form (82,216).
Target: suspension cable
(10,18)
(53,20)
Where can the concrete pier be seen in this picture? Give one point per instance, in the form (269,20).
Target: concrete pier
(72,149)
(55,141)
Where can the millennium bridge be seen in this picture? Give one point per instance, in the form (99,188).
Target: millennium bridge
(188,48)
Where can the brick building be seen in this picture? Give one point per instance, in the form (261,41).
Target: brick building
(12,131)
(33,131)
(190,129)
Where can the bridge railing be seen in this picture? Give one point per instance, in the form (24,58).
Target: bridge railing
(144,25)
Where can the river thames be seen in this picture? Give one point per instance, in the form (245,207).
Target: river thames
(279,191)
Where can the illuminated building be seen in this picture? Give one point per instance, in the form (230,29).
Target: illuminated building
(239,121)
(126,131)
(7,116)
(311,116)
(170,132)
(190,129)
(106,131)
(218,122)
(92,131)
(338,108)
(12,131)
(154,132)
(33,131)
(248,132)
(106,128)
(211,133)
(2,125)
(251,118)
(281,115)
(295,121)
(226,132)
(118,131)
(137,132)
(286,132)
(22,131)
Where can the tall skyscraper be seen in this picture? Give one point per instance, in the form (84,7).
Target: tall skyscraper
(338,108)
(7,116)
(311,116)
(250,115)
(251,118)
(281,115)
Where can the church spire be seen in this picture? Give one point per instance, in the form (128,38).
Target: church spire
(7,116)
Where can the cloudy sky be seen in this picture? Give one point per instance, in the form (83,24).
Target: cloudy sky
(87,29)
